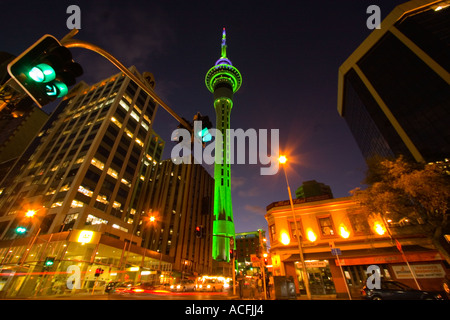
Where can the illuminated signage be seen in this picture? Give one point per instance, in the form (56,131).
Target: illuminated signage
(85,236)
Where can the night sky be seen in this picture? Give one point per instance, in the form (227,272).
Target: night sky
(288,53)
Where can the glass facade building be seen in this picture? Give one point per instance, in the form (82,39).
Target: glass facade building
(394,90)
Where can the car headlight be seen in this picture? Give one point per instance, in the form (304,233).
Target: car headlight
(178,286)
(208,286)
(171,287)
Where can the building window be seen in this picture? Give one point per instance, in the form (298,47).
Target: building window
(293,230)
(326,226)
(272,232)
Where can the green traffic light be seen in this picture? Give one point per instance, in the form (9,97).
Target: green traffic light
(206,136)
(58,89)
(21,230)
(62,88)
(42,73)
(49,262)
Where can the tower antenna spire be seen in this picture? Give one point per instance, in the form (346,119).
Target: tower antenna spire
(224,44)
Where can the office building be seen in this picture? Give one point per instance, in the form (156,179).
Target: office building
(394,89)
(88,164)
(313,188)
(249,244)
(16,134)
(176,202)
(81,186)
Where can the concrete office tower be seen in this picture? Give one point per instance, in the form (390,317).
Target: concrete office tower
(176,202)
(87,168)
(223,80)
(394,89)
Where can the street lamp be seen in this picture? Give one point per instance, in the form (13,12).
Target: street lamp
(30,213)
(282,159)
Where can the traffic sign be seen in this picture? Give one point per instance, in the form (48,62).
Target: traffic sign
(336,251)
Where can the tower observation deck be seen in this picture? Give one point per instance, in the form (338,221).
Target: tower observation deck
(223,80)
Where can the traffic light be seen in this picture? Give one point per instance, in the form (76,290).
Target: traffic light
(199,231)
(203,134)
(21,230)
(49,261)
(98,272)
(45,71)
(265,259)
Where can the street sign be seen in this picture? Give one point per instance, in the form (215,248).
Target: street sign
(336,251)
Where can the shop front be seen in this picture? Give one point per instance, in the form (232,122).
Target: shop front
(319,275)
(61,264)
(423,270)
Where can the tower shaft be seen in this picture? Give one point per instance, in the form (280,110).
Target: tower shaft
(223,223)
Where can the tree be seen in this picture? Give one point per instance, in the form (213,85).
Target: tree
(411,194)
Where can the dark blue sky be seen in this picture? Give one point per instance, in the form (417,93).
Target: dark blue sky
(288,53)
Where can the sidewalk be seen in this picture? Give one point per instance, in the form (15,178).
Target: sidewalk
(260,296)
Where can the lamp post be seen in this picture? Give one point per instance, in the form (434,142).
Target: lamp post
(283,160)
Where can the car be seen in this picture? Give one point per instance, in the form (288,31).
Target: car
(395,290)
(142,287)
(185,285)
(123,287)
(110,286)
(211,285)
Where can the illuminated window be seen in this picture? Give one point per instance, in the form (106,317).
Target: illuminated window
(64,188)
(293,231)
(50,191)
(124,105)
(85,191)
(135,116)
(326,226)
(95,220)
(76,204)
(144,125)
(125,182)
(115,226)
(139,142)
(116,122)
(113,173)
(128,132)
(97,163)
(56,204)
(102,199)
(117,205)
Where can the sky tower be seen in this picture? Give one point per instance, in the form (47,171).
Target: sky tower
(223,80)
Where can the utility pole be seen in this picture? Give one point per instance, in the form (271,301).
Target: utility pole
(262,266)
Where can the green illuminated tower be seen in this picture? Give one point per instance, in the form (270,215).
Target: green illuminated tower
(223,80)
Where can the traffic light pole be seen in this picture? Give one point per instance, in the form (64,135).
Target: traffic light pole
(68,42)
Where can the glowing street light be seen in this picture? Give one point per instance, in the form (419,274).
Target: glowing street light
(30,213)
(282,159)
